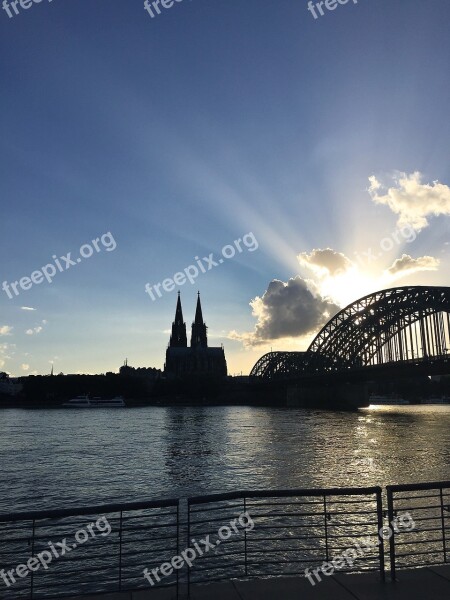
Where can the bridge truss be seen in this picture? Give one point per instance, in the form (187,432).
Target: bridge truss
(397,325)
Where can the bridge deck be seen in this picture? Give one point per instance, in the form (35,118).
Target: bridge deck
(432,582)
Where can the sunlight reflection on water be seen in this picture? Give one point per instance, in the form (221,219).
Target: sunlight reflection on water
(59,458)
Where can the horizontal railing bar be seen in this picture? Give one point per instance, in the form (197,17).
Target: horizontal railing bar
(196,568)
(258,515)
(200,508)
(411,487)
(410,498)
(422,530)
(417,508)
(418,542)
(424,553)
(284,494)
(254,517)
(92,510)
(287,573)
(64,522)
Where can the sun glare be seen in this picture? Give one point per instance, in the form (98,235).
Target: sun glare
(347,287)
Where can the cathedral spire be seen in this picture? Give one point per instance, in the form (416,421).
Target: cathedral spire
(199,337)
(178,339)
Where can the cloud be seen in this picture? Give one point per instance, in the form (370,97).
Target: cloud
(5,330)
(4,349)
(34,331)
(27,308)
(325,262)
(412,200)
(407,265)
(286,310)
(25,367)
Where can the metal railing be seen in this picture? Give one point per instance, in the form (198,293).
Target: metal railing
(428,542)
(293,529)
(244,534)
(141,534)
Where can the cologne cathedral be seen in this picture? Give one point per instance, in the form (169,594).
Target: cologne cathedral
(197,359)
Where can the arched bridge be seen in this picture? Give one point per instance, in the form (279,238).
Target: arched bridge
(398,326)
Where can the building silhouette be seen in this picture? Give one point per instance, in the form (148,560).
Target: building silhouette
(197,359)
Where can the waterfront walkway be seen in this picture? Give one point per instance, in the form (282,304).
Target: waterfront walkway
(416,584)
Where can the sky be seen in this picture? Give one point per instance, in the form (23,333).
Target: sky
(296,163)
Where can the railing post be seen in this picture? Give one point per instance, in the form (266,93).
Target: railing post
(120,551)
(380,525)
(390,500)
(189,537)
(32,554)
(443,525)
(327,558)
(245,540)
(178,547)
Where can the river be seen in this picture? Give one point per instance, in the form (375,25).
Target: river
(64,458)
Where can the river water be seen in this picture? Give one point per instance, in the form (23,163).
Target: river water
(65,458)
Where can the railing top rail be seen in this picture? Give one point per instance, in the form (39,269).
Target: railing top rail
(171,502)
(85,510)
(285,494)
(412,487)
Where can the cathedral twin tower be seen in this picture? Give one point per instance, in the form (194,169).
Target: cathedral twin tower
(196,359)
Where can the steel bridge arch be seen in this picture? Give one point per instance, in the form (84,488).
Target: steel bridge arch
(394,325)
(279,364)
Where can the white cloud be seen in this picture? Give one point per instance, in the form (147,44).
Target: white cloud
(27,308)
(407,265)
(325,262)
(25,367)
(34,331)
(286,310)
(412,200)
(5,330)
(4,348)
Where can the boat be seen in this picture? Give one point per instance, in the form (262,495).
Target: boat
(87,402)
(377,400)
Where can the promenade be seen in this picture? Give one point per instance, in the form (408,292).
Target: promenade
(431,583)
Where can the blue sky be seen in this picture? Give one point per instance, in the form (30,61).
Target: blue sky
(182,133)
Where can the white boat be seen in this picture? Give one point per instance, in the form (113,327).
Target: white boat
(376,400)
(87,402)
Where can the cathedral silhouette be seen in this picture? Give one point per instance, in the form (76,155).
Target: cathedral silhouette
(197,359)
